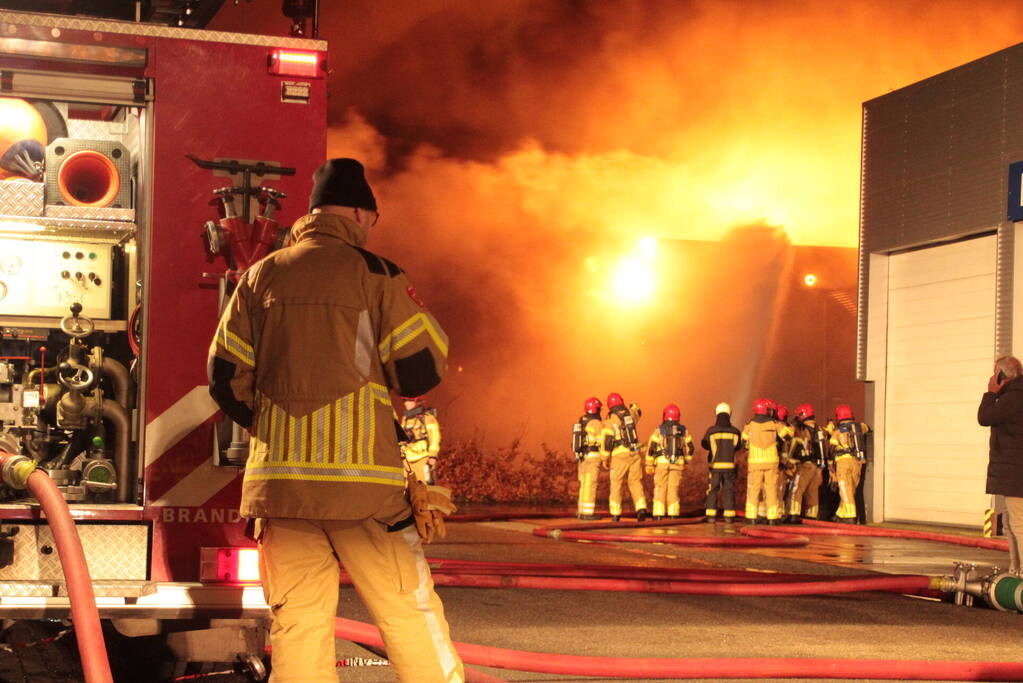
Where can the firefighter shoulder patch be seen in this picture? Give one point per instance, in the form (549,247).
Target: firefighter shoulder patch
(415,297)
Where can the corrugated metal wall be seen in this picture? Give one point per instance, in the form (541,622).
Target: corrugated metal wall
(935,162)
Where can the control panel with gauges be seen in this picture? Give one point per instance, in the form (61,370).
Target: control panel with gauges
(45,278)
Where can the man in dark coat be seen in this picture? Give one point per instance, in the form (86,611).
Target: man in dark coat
(1001,409)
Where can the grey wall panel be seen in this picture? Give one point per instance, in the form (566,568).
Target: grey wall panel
(939,150)
(934,162)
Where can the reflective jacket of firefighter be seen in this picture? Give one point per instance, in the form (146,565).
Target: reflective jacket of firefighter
(308,347)
(621,445)
(668,450)
(848,456)
(722,441)
(808,453)
(588,437)
(786,465)
(761,436)
(423,431)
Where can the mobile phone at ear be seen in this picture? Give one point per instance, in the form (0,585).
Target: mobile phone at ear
(1001,376)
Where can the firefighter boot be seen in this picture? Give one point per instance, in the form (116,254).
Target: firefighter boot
(641,515)
(616,518)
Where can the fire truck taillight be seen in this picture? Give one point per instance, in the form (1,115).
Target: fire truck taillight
(229,565)
(296,63)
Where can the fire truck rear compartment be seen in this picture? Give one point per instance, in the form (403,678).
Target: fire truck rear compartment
(69,281)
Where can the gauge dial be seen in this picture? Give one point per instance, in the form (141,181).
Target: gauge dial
(10,264)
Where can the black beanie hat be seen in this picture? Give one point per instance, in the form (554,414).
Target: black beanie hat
(341,182)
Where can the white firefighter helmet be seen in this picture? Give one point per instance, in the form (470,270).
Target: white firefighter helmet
(723,408)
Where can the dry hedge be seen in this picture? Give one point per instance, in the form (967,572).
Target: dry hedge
(479,474)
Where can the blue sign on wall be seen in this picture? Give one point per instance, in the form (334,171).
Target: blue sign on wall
(1016,191)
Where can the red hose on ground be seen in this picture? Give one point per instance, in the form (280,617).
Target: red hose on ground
(756,536)
(84,613)
(831,585)
(636,668)
(832,529)
(610,571)
(781,540)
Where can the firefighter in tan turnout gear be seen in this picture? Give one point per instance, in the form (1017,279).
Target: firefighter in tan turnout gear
(669,448)
(786,466)
(809,453)
(312,341)
(423,438)
(760,436)
(587,435)
(848,454)
(621,446)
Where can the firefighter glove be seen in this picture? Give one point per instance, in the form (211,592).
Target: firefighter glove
(430,505)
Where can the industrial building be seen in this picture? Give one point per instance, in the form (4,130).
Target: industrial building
(939,295)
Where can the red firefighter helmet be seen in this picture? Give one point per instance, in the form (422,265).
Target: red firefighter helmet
(771,405)
(671,412)
(592,405)
(843,412)
(615,400)
(804,411)
(760,406)
(783,412)
(418,400)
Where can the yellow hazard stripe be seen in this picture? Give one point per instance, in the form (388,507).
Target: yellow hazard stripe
(412,328)
(236,346)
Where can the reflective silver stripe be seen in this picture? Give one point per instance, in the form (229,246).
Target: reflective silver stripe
(319,433)
(236,348)
(442,646)
(395,474)
(363,344)
(398,340)
(295,445)
(344,446)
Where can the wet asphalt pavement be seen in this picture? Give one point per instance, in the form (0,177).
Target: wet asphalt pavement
(609,624)
(858,626)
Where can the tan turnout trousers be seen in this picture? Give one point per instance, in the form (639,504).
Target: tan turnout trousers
(626,465)
(847,472)
(806,488)
(589,471)
(667,479)
(300,583)
(762,478)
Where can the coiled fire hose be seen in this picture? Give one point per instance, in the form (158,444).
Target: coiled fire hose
(20,472)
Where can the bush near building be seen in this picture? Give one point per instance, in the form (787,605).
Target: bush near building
(479,474)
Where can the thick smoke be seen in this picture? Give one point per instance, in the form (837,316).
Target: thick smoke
(521,148)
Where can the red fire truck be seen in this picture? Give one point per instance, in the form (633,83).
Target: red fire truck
(143,166)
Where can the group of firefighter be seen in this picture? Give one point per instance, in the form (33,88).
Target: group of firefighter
(786,461)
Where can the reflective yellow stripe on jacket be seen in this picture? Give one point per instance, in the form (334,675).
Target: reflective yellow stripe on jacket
(403,334)
(334,443)
(234,345)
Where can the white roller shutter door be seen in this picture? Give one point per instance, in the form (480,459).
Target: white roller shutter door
(941,322)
